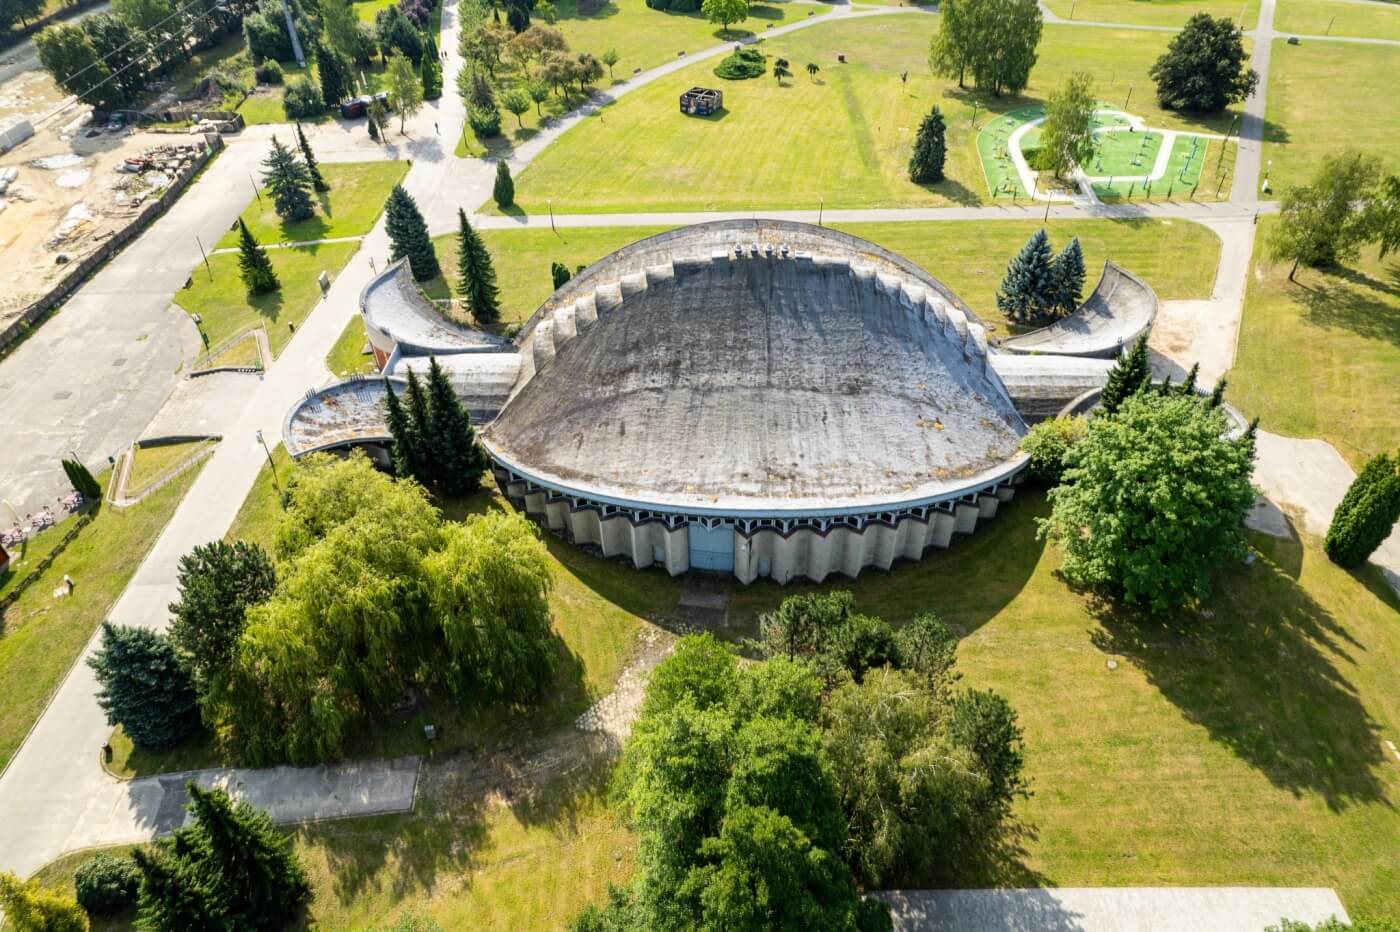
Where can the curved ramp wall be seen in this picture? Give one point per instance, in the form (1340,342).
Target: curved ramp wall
(1121,308)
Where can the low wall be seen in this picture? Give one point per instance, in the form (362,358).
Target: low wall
(83,521)
(79,271)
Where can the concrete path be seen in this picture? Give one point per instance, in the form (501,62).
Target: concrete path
(1109,909)
(1249,152)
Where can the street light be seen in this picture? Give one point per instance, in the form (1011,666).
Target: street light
(281,500)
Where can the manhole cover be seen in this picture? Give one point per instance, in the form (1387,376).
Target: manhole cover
(119,362)
(60,396)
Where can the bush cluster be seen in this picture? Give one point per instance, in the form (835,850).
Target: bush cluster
(1048,445)
(269,72)
(302,100)
(107,884)
(741,65)
(674,6)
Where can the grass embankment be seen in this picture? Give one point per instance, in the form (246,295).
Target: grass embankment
(347,357)
(41,634)
(150,463)
(1177,258)
(1341,17)
(1153,13)
(239,354)
(350,208)
(226,309)
(845,136)
(1325,97)
(1320,356)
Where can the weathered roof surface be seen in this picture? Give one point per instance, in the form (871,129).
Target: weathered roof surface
(483,380)
(346,412)
(1121,309)
(1040,386)
(392,304)
(758,382)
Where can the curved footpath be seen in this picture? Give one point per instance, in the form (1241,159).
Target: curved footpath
(53,796)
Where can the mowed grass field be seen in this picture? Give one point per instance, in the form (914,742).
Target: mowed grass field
(1325,97)
(1152,12)
(1314,17)
(1177,258)
(350,208)
(1320,357)
(845,136)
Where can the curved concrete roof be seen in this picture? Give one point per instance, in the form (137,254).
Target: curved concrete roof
(347,412)
(1121,309)
(392,304)
(757,367)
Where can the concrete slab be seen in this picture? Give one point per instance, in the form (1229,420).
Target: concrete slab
(208,405)
(1109,909)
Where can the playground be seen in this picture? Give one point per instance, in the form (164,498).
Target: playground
(1131,160)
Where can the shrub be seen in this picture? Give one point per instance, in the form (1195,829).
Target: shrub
(1049,444)
(741,65)
(269,72)
(107,884)
(301,99)
(485,121)
(675,6)
(1366,514)
(417,11)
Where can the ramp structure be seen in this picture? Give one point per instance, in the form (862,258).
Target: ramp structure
(1120,309)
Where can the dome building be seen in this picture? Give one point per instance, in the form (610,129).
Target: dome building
(762,398)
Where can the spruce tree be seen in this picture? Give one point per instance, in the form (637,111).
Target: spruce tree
(560,273)
(1217,394)
(143,686)
(504,190)
(1129,375)
(253,263)
(254,876)
(172,896)
(1189,386)
(420,423)
(930,150)
(1068,274)
(407,456)
(476,278)
(317,181)
(335,75)
(1027,291)
(457,458)
(1367,513)
(289,183)
(409,235)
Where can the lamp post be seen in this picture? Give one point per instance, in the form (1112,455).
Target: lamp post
(281,500)
(821,208)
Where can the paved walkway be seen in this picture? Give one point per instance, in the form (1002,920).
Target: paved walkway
(1109,909)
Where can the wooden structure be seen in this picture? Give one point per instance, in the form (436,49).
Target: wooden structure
(702,101)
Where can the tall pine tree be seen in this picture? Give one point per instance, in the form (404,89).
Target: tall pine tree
(420,423)
(255,876)
(253,263)
(143,686)
(1129,375)
(1189,386)
(289,183)
(1068,275)
(457,460)
(1217,394)
(407,456)
(1027,292)
(476,278)
(317,181)
(409,235)
(930,150)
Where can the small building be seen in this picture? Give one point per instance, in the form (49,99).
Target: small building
(702,101)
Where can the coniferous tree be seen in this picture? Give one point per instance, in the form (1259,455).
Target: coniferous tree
(476,278)
(289,183)
(1129,375)
(1068,275)
(80,477)
(172,896)
(930,150)
(420,423)
(253,263)
(1367,513)
(219,582)
(408,459)
(409,235)
(317,181)
(1217,394)
(143,686)
(1189,386)
(254,875)
(1027,291)
(504,190)
(559,272)
(336,83)
(431,69)
(457,458)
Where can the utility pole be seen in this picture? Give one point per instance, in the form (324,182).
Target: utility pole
(281,499)
(292,31)
(205,257)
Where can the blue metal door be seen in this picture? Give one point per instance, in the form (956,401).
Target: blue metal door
(712,548)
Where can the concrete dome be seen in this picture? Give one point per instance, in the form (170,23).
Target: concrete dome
(760,368)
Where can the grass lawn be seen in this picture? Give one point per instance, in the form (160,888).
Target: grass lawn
(845,137)
(1315,17)
(367,10)
(1320,357)
(240,354)
(347,357)
(227,310)
(1177,258)
(1152,12)
(1325,97)
(645,38)
(150,463)
(40,635)
(350,208)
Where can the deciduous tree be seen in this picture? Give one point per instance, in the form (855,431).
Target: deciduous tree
(1367,513)
(725,12)
(1326,221)
(29,907)
(405,87)
(1066,136)
(1204,67)
(218,583)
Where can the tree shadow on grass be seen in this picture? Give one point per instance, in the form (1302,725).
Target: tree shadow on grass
(1352,300)
(1262,669)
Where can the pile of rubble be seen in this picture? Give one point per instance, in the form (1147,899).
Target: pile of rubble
(152,171)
